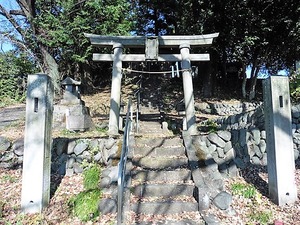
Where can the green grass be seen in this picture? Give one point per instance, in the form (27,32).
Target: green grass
(91,177)
(261,217)
(245,190)
(85,204)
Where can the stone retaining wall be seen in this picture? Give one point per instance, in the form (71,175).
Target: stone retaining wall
(68,155)
(241,139)
(223,109)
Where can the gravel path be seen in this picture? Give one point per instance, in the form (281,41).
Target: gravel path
(11,114)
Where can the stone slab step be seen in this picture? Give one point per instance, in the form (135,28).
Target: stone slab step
(163,190)
(173,222)
(159,151)
(160,163)
(181,175)
(162,208)
(158,142)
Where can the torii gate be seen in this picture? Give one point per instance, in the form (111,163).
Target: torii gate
(151,45)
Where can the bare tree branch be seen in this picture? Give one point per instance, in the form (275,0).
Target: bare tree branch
(11,20)
(17,12)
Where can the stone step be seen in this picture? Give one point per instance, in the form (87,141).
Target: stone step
(159,142)
(158,151)
(160,163)
(174,222)
(163,208)
(163,190)
(182,175)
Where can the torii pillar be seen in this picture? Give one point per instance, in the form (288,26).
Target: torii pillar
(115,96)
(188,89)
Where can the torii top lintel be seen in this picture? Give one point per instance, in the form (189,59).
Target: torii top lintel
(163,41)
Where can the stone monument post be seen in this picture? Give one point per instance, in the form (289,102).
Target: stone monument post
(280,153)
(37,144)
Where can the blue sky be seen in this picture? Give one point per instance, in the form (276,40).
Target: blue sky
(7,4)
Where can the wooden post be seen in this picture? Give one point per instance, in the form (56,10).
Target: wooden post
(188,89)
(115,96)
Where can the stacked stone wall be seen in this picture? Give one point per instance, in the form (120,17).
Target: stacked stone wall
(240,139)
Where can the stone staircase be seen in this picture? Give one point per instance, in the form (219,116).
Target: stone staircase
(161,187)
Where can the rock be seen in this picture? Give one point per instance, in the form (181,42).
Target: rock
(113,151)
(264,160)
(101,145)
(257,151)
(233,170)
(228,146)
(214,138)
(250,149)
(255,160)
(220,152)
(296,154)
(70,162)
(80,147)
(77,168)
(94,145)
(18,147)
(203,199)
(230,155)
(105,156)
(256,136)
(109,143)
(262,146)
(98,157)
(225,135)
(86,155)
(211,165)
(112,173)
(263,134)
(105,182)
(6,165)
(165,126)
(7,157)
(212,148)
(69,172)
(223,200)
(210,219)
(107,205)
(4,144)
(71,146)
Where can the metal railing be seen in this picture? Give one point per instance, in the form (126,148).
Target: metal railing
(122,163)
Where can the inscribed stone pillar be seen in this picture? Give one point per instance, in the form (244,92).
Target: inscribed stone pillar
(37,144)
(115,96)
(280,153)
(188,89)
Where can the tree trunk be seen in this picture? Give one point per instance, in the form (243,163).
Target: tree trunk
(50,67)
(244,91)
(253,84)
